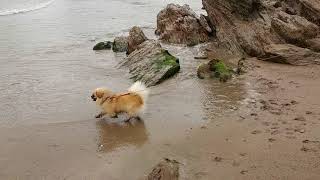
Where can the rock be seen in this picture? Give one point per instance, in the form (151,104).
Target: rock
(217,159)
(165,170)
(290,54)
(180,25)
(103,45)
(135,38)
(294,29)
(242,66)
(299,118)
(310,9)
(313,44)
(151,64)
(204,23)
(120,44)
(246,27)
(214,68)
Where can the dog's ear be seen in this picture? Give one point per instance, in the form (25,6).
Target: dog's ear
(99,94)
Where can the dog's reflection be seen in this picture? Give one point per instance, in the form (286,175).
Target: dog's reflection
(116,135)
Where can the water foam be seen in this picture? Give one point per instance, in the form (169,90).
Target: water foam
(17,11)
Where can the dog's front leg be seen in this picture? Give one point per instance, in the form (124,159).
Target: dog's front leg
(100,115)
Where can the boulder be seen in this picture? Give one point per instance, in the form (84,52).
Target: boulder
(241,27)
(313,44)
(180,25)
(103,45)
(151,64)
(294,29)
(120,44)
(214,68)
(310,9)
(290,54)
(165,170)
(135,38)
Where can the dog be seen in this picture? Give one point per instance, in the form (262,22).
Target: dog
(132,102)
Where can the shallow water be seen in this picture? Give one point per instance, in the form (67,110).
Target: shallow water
(48,71)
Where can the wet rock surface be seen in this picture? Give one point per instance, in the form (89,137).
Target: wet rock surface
(151,64)
(120,44)
(251,26)
(135,38)
(290,54)
(181,25)
(103,45)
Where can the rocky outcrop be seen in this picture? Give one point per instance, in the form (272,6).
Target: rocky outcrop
(120,44)
(135,38)
(165,170)
(313,44)
(180,25)
(309,9)
(151,64)
(214,68)
(103,45)
(251,27)
(290,54)
(294,29)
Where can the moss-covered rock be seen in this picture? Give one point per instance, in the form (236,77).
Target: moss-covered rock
(214,68)
(120,44)
(151,63)
(103,45)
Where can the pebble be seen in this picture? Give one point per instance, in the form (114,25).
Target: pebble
(271,139)
(256,132)
(300,118)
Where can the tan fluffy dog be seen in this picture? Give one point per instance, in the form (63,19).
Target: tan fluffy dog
(131,102)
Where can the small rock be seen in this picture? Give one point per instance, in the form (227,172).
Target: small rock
(256,132)
(271,139)
(253,114)
(218,159)
(204,127)
(243,172)
(300,130)
(308,112)
(300,118)
(103,45)
(306,141)
(293,102)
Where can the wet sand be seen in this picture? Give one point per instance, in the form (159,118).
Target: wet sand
(261,125)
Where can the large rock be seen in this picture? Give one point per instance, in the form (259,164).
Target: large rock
(310,9)
(136,37)
(120,44)
(151,64)
(240,26)
(290,54)
(294,29)
(165,170)
(313,44)
(179,24)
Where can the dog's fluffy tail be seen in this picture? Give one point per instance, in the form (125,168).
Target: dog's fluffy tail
(140,89)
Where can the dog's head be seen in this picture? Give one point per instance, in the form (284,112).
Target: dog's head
(99,93)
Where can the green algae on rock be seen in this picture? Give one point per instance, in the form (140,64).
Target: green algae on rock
(214,68)
(151,64)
